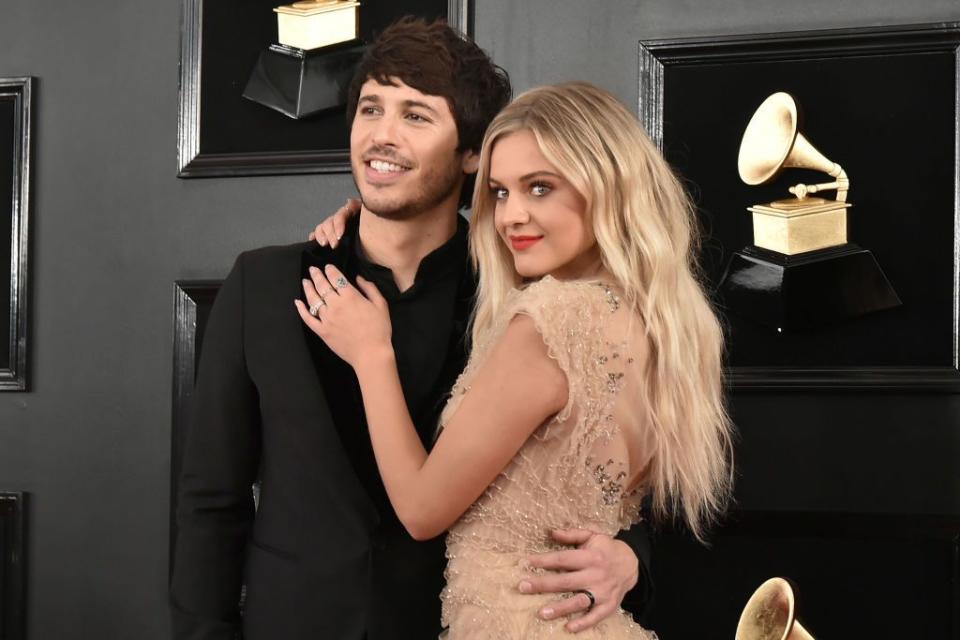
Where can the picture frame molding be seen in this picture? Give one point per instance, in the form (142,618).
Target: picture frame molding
(188,296)
(191,163)
(658,55)
(14,377)
(13,571)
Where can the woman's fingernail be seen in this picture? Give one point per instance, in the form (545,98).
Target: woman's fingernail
(525,587)
(546,613)
(314,270)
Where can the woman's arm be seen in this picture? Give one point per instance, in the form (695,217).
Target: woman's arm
(515,391)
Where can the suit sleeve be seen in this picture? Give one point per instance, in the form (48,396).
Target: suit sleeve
(639,600)
(220,461)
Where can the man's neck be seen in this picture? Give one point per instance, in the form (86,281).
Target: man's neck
(400,245)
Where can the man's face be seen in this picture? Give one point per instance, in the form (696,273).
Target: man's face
(403,150)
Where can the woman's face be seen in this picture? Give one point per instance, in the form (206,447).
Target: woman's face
(539,215)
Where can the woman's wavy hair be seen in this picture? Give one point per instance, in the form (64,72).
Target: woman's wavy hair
(646,231)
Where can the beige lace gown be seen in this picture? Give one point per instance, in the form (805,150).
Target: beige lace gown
(584,468)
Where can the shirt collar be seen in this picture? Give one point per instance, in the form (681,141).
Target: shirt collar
(450,256)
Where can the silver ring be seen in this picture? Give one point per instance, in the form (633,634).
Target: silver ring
(315,307)
(341,283)
(587,593)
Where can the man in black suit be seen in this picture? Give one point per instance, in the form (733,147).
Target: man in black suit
(324,557)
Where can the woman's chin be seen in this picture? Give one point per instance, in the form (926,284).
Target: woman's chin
(526,272)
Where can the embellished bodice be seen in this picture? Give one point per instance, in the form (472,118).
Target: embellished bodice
(583,468)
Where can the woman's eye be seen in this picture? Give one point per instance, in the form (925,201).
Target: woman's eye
(540,189)
(499,193)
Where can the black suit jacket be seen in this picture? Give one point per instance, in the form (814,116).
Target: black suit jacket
(322,557)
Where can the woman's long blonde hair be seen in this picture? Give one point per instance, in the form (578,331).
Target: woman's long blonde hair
(647,235)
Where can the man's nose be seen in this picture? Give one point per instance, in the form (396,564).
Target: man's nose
(385,131)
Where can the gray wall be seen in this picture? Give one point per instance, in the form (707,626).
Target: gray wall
(112,228)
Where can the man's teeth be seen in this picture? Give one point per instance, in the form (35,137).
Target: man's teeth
(385,167)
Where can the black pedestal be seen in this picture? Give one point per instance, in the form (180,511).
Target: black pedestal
(299,83)
(807,290)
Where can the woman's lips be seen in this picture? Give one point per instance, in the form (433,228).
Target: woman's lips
(520,243)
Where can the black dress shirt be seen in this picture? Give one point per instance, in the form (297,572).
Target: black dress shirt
(428,325)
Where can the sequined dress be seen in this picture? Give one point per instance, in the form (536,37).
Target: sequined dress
(576,470)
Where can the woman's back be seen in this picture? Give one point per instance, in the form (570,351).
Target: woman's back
(584,468)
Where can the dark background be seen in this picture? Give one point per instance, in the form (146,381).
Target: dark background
(112,229)
(234,35)
(8,115)
(889,121)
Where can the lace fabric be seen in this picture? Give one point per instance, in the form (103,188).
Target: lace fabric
(583,468)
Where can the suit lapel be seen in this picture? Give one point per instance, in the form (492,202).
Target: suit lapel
(335,469)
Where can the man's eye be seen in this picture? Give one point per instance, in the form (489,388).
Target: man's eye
(416,117)
(540,189)
(369,111)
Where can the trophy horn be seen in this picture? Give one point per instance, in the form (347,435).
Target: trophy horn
(772,143)
(769,614)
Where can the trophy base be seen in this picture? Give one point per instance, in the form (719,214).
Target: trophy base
(793,227)
(300,83)
(806,291)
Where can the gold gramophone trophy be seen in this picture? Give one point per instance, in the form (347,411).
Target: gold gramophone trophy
(308,70)
(800,272)
(770,614)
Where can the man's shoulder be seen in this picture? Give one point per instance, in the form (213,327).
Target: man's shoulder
(280,255)
(283,260)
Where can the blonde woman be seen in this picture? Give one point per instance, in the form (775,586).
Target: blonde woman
(595,375)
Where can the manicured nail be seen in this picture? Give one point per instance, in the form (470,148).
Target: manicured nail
(314,270)
(546,613)
(525,587)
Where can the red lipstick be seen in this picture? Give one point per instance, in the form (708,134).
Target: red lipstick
(520,243)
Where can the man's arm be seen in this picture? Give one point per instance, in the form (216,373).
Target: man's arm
(615,570)
(639,600)
(221,456)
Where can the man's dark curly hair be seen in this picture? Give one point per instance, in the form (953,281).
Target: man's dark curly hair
(435,59)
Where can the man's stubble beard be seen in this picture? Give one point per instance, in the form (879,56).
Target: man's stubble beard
(434,188)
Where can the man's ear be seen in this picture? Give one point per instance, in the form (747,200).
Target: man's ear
(470,162)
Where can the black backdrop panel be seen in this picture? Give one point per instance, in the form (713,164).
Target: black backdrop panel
(234,35)
(15,147)
(223,134)
(880,101)
(8,115)
(192,303)
(12,565)
(856,576)
(889,121)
